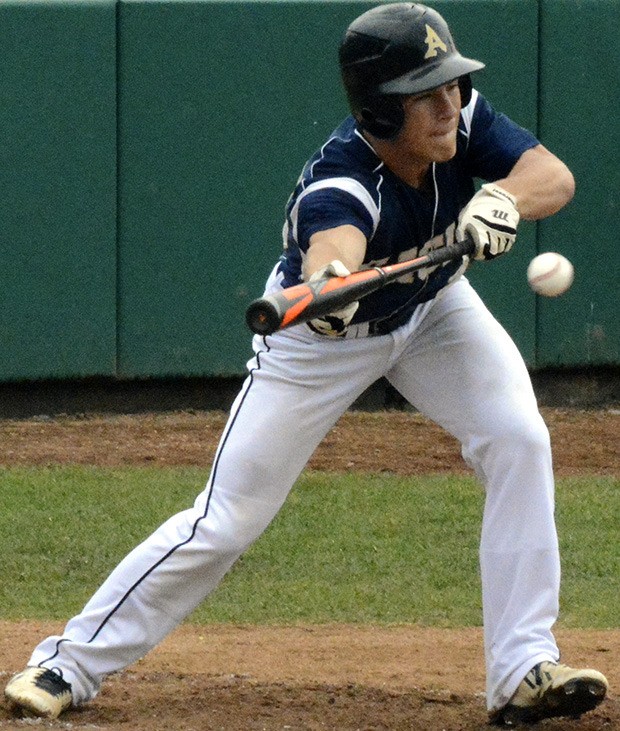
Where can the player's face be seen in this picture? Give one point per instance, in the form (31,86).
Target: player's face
(430,126)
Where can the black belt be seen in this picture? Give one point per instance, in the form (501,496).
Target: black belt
(389,324)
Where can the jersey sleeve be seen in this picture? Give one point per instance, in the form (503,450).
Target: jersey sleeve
(329,206)
(495,142)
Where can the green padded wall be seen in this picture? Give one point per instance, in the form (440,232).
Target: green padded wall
(220,104)
(58,178)
(579,117)
(149,147)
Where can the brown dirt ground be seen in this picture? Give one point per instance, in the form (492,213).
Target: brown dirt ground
(311,678)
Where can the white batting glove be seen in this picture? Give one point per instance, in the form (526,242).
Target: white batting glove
(335,324)
(491,219)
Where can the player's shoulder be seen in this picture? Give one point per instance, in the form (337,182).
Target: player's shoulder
(476,115)
(490,142)
(481,119)
(345,153)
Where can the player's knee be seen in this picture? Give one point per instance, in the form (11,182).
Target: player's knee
(518,436)
(231,522)
(527,440)
(225,544)
(527,433)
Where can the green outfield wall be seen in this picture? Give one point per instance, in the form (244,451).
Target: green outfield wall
(149,147)
(58,173)
(579,118)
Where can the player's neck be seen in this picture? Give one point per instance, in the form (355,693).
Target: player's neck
(410,170)
(416,175)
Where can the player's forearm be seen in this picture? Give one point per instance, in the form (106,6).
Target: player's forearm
(541,183)
(345,243)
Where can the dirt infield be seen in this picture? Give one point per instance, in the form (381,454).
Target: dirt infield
(315,678)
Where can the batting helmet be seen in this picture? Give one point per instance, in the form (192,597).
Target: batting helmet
(396,49)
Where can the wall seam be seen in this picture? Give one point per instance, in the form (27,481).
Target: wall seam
(117,343)
(539,55)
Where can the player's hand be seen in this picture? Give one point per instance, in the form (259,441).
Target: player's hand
(491,219)
(335,324)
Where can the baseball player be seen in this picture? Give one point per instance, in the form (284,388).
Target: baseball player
(395,180)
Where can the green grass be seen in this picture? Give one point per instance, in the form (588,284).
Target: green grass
(380,550)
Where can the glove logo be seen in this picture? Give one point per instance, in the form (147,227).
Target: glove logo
(433,42)
(502,215)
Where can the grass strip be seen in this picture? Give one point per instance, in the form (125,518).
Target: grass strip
(377,549)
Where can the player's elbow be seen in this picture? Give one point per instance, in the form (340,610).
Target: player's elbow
(554,195)
(561,190)
(566,184)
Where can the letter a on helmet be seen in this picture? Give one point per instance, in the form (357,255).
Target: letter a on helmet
(396,49)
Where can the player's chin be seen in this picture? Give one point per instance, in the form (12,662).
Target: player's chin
(444,147)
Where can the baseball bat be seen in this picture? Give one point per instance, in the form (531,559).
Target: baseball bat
(303,302)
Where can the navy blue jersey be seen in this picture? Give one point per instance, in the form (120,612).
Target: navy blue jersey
(346,183)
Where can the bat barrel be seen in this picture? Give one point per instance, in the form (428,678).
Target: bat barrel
(308,300)
(263,317)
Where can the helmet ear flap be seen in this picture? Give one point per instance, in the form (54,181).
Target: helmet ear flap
(465,87)
(382,116)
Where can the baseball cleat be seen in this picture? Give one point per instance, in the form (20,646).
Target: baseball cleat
(38,692)
(551,690)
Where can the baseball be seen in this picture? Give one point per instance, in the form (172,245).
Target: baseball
(550,274)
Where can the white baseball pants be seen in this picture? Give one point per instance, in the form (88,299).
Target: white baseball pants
(454,363)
